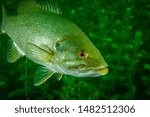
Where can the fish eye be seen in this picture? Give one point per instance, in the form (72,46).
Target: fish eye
(82,54)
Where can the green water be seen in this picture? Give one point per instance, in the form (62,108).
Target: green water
(120,29)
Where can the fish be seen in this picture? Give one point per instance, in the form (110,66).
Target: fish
(43,35)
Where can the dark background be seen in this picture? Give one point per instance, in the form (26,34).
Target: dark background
(118,28)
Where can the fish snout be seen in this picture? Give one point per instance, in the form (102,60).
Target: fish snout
(101,69)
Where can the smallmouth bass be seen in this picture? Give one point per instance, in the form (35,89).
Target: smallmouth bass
(39,32)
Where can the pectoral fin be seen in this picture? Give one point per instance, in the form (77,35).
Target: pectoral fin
(41,75)
(38,54)
(13,54)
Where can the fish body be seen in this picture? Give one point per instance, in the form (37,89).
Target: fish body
(59,45)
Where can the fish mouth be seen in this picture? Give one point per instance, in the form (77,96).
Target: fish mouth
(101,70)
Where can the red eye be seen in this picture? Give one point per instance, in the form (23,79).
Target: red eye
(82,54)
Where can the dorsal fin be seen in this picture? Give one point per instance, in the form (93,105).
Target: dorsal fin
(31,5)
(49,5)
(25,6)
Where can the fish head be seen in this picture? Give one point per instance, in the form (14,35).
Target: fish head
(77,56)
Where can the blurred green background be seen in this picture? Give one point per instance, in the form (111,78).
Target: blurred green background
(120,29)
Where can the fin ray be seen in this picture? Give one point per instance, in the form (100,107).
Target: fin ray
(12,53)
(59,76)
(33,5)
(42,74)
(49,5)
(38,54)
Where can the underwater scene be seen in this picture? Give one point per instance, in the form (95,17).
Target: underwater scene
(119,29)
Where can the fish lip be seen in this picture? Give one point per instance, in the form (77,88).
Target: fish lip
(101,69)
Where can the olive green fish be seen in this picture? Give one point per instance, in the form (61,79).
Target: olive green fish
(39,32)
